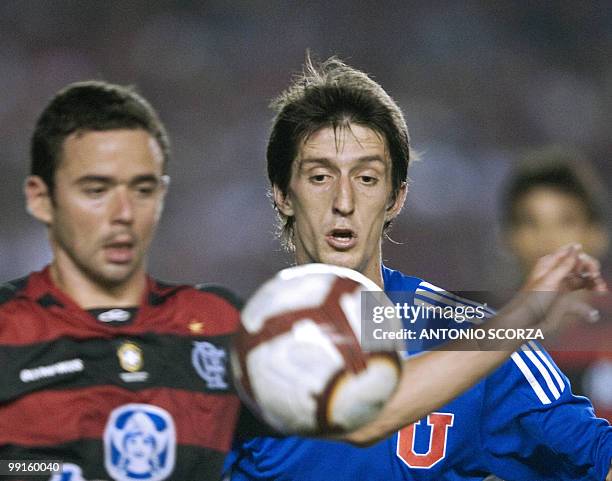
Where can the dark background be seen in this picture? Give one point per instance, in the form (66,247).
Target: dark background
(479,82)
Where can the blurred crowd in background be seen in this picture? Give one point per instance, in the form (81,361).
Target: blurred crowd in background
(480,83)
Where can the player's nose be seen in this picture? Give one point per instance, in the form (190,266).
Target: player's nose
(123,206)
(344,197)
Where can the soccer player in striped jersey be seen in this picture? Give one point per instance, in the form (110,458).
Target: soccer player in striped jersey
(103,368)
(337,161)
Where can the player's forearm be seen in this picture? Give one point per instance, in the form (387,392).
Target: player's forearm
(434,378)
(428,381)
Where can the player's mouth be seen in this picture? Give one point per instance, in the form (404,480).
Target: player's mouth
(120,250)
(341,239)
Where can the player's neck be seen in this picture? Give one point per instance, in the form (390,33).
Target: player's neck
(89,293)
(374,273)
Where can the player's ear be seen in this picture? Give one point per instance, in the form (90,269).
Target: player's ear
(396,203)
(163,190)
(38,199)
(164,185)
(282,201)
(165,182)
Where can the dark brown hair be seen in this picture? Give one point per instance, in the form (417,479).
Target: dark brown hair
(87,106)
(557,168)
(332,94)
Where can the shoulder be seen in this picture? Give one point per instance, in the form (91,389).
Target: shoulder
(222,292)
(425,291)
(398,281)
(437,296)
(11,289)
(161,291)
(531,368)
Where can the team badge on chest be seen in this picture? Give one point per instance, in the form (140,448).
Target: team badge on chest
(139,443)
(131,360)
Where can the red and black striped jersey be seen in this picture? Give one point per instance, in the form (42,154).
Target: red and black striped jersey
(122,394)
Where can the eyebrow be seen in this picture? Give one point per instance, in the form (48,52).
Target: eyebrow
(110,180)
(326,161)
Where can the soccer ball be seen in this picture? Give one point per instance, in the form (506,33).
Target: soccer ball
(297,358)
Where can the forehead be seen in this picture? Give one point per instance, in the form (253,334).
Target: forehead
(550,202)
(110,152)
(551,197)
(344,143)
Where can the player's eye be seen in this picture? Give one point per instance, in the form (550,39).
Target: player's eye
(94,190)
(368,180)
(318,178)
(146,190)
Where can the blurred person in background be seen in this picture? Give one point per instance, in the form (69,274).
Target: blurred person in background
(113,373)
(554,197)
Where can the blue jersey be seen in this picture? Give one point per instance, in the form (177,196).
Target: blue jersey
(521,423)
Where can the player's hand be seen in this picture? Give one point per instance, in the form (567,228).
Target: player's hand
(557,292)
(566,269)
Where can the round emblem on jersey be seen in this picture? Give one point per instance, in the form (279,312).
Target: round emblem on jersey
(139,443)
(130,356)
(114,315)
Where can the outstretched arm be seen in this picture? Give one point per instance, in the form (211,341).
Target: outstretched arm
(553,295)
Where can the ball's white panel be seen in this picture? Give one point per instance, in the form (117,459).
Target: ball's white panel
(351,305)
(286,373)
(358,398)
(281,295)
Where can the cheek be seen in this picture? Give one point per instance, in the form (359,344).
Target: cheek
(148,219)
(309,213)
(374,216)
(524,238)
(74,225)
(84,215)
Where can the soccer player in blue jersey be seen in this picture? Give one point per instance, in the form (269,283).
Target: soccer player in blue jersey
(337,160)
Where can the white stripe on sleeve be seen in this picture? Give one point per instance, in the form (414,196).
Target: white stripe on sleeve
(553,369)
(536,362)
(518,360)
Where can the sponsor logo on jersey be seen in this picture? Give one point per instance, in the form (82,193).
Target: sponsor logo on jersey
(59,368)
(131,360)
(209,362)
(114,315)
(139,443)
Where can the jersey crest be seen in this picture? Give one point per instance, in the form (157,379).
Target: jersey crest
(209,362)
(436,432)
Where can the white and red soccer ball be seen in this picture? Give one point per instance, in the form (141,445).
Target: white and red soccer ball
(298,360)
